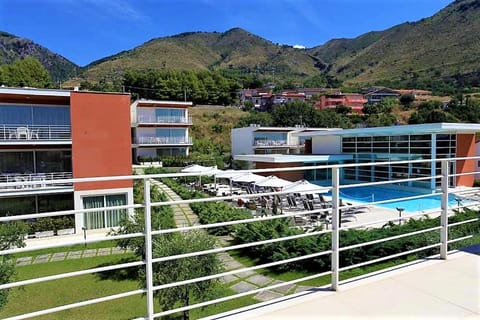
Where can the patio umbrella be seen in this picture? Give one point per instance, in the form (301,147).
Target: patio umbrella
(274,182)
(196,168)
(227,174)
(248,177)
(304,187)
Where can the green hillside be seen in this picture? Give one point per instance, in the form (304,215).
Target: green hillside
(235,49)
(13,47)
(440,47)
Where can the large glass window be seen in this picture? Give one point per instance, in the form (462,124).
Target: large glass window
(36,204)
(26,162)
(260,138)
(170,115)
(34,115)
(104,218)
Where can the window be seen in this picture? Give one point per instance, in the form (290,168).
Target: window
(104,218)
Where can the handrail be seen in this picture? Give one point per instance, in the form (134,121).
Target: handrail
(20,132)
(439,231)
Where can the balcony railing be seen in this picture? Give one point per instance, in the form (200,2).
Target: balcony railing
(276,143)
(19,133)
(164,120)
(163,140)
(439,235)
(33,180)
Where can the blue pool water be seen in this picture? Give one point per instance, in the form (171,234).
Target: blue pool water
(370,194)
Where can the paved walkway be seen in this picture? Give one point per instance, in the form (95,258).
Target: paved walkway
(71,255)
(240,282)
(435,289)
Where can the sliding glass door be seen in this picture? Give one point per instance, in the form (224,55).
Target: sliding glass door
(104,218)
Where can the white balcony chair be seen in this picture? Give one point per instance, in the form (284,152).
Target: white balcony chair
(12,134)
(23,132)
(33,134)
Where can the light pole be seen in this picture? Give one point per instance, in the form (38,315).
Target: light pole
(459,201)
(84,229)
(400,210)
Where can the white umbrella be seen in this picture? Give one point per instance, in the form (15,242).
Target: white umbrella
(274,182)
(196,168)
(227,174)
(303,187)
(248,177)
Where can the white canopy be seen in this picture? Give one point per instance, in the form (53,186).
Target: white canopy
(304,187)
(274,182)
(248,177)
(227,174)
(195,168)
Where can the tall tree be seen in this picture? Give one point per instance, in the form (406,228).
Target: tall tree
(27,72)
(184,269)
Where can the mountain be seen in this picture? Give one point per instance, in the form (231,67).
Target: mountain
(235,49)
(13,47)
(443,46)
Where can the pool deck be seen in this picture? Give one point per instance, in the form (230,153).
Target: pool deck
(425,289)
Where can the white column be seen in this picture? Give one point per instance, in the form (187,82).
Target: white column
(433,166)
(148,248)
(444,214)
(335,226)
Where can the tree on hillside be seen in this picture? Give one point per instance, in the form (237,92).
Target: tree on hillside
(255,117)
(342,109)
(11,235)
(406,100)
(184,269)
(465,112)
(431,112)
(328,118)
(27,72)
(293,113)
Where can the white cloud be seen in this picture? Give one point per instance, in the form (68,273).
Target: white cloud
(122,9)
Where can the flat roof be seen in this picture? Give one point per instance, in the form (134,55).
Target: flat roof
(141,101)
(260,128)
(400,130)
(287,158)
(35,92)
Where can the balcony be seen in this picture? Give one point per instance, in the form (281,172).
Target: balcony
(446,287)
(275,143)
(163,141)
(18,183)
(35,134)
(151,120)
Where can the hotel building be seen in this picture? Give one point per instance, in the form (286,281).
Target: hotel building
(382,144)
(47,135)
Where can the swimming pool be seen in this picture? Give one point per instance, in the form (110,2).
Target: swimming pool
(370,194)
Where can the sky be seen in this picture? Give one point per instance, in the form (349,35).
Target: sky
(86,30)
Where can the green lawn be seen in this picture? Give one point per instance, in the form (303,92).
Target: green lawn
(55,293)
(78,247)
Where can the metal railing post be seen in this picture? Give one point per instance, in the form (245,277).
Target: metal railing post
(444,213)
(335,226)
(148,248)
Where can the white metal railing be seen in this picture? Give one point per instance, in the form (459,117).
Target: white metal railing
(33,180)
(164,120)
(275,143)
(163,140)
(336,211)
(19,133)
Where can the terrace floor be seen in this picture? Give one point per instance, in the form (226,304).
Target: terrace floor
(433,288)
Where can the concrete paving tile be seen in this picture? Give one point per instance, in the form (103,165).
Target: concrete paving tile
(59,256)
(303,288)
(42,258)
(267,295)
(74,255)
(232,264)
(259,280)
(118,250)
(283,289)
(243,287)
(23,261)
(228,278)
(89,253)
(246,274)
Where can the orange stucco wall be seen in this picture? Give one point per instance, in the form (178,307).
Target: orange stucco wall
(101,142)
(287,175)
(465,148)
